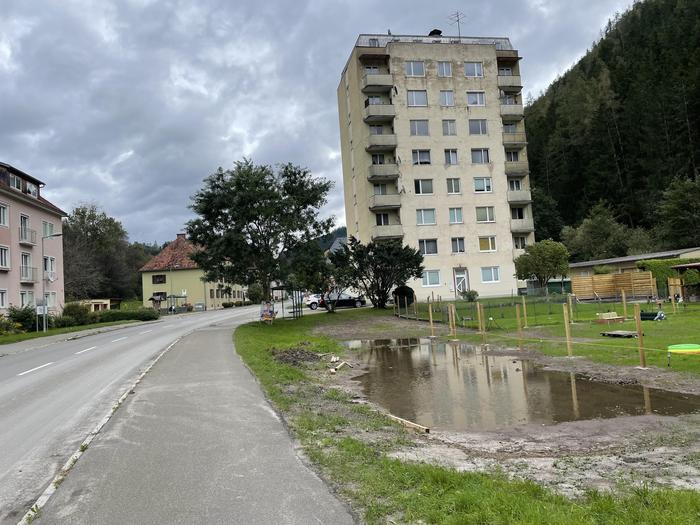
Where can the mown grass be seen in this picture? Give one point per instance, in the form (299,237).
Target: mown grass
(14,338)
(334,433)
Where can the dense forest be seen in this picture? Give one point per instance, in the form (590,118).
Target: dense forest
(619,134)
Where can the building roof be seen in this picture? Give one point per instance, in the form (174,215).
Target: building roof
(40,201)
(686,266)
(382,40)
(633,258)
(175,256)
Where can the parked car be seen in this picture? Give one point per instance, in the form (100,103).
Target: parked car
(312,300)
(345,300)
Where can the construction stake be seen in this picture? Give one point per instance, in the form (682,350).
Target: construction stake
(567,329)
(640,336)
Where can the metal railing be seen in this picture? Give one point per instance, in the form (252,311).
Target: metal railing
(27,236)
(27,274)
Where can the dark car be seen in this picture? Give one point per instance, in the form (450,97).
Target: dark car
(344,300)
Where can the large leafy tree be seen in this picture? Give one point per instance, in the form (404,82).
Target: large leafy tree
(599,235)
(679,215)
(543,261)
(250,218)
(375,268)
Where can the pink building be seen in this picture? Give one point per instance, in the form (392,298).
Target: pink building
(27,221)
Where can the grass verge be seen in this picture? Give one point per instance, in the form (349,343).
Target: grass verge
(351,443)
(14,338)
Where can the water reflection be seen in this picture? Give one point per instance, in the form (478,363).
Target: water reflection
(457,387)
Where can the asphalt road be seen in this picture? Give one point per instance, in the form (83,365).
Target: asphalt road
(53,393)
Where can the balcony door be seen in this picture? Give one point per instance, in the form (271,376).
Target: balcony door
(461,277)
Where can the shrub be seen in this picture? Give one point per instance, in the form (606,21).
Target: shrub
(603,269)
(227,304)
(691,277)
(64,321)
(238,303)
(142,314)
(402,294)
(247,302)
(24,317)
(8,326)
(79,312)
(255,293)
(470,295)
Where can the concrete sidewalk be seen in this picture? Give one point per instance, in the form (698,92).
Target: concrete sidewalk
(196,443)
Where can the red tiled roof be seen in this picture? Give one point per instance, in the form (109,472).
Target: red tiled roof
(175,256)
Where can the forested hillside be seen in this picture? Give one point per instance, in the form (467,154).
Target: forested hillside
(622,126)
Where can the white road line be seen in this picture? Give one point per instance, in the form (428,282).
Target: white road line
(145,332)
(86,350)
(120,339)
(37,368)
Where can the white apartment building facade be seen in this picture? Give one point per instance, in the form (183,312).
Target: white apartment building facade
(434,153)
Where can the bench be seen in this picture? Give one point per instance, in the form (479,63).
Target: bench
(609,318)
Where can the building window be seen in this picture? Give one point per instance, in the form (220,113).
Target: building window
(377,158)
(458,245)
(419,128)
(3,298)
(487,244)
(451,157)
(380,189)
(519,242)
(417,98)
(425,216)
(15,182)
(473,69)
(485,214)
(374,100)
(423,186)
(456,216)
(453,186)
(3,215)
(382,219)
(509,100)
(32,189)
(376,130)
(449,127)
(373,42)
(482,184)
(478,127)
(512,156)
(510,128)
(476,98)
(371,70)
(505,71)
(428,246)
(50,299)
(480,156)
(447,98)
(47,228)
(26,298)
(158,279)
(431,278)
(415,68)
(490,274)
(517,213)
(211,293)
(49,264)
(421,156)
(444,69)
(4,257)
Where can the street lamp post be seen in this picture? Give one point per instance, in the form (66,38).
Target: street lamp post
(45,311)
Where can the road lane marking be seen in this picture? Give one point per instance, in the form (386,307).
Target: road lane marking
(37,368)
(145,332)
(86,350)
(120,339)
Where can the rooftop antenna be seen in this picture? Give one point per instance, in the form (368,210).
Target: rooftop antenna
(456,18)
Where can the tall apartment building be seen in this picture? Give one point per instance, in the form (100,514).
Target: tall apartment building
(434,152)
(31,248)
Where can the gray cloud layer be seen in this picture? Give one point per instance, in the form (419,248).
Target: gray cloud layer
(131,103)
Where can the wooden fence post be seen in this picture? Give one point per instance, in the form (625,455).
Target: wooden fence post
(415,306)
(430,318)
(524,312)
(673,302)
(517,320)
(624,304)
(570,301)
(567,330)
(640,336)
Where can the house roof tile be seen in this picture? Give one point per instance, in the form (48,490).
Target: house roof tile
(175,256)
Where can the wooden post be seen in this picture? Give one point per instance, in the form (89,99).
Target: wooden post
(624,304)
(483,322)
(395,305)
(454,320)
(574,395)
(571,308)
(673,302)
(524,312)
(567,330)
(430,318)
(415,306)
(478,315)
(517,320)
(640,336)
(405,304)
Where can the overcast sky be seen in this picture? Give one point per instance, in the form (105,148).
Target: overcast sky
(131,103)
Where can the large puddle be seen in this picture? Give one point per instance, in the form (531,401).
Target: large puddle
(457,387)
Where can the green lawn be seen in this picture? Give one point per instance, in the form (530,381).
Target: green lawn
(350,444)
(14,338)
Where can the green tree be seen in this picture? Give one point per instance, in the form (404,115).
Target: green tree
(599,236)
(679,215)
(548,221)
(250,218)
(375,268)
(543,261)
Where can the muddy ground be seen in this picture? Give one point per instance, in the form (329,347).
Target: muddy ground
(569,457)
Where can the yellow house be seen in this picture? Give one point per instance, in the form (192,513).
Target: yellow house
(172,280)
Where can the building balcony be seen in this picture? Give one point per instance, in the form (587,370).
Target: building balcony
(377,113)
(387,231)
(522,225)
(390,201)
(383,172)
(507,54)
(517,252)
(512,112)
(381,143)
(518,169)
(377,83)
(510,83)
(28,275)
(519,196)
(27,236)
(514,140)
(372,53)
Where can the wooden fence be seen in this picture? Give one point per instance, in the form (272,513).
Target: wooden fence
(635,284)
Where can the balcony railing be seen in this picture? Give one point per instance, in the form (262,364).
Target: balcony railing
(510,83)
(27,274)
(387,231)
(517,168)
(522,225)
(512,111)
(385,202)
(377,83)
(519,196)
(380,172)
(27,236)
(378,143)
(375,113)
(514,139)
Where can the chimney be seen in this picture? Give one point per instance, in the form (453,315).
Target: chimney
(181,236)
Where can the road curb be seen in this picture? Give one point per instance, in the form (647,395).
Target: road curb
(35,511)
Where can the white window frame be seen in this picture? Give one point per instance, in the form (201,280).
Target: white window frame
(481,98)
(375,100)
(492,243)
(449,127)
(512,155)
(32,190)
(418,186)
(417,157)
(495,274)
(510,127)
(478,69)
(47,228)
(423,246)
(505,71)
(15,182)
(421,217)
(49,263)
(488,183)
(490,214)
(451,157)
(483,126)
(411,66)
(484,153)
(379,219)
(26,298)
(411,98)
(4,214)
(3,298)
(458,242)
(376,129)
(371,70)
(512,212)
(517,244)
(447,98)
(416,126)
(425,278)
(456,215)
(515,184)
(378,157)
(6,250)
(444,69)
(454,181)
